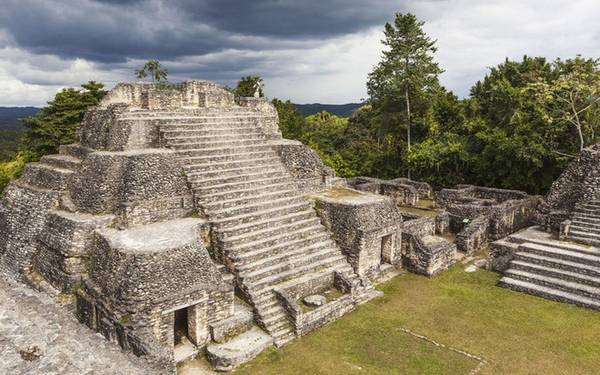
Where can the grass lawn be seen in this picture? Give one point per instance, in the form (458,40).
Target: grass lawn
(516,333)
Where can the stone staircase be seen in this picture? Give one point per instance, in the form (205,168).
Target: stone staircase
(585,224)
(556,270)
(268,232)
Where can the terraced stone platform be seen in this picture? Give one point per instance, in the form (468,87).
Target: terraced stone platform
(544,266)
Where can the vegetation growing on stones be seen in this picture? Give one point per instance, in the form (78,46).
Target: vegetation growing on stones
(154,69)
(246,86)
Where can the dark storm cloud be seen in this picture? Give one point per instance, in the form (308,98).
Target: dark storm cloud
(112,31)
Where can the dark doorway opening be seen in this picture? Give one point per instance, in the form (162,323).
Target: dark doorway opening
(387,248)
(181,325)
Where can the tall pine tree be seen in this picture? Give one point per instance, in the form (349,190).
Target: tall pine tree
(407,73)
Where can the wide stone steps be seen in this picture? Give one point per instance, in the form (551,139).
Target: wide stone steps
(555,273)
(61,161)
(267,252)
(588,215)
(327,255)
(222,151)
(268,282)
(210,197)
(554,252)
(260,215)
(201,180)
(585,240)
(257,184)
(233,172)
(195,136)
(585,224)
(555,283)
(268,223)
(584,232)
(293,233)
(229,165)
(227,158)
(210,132)
(46,176)
(237,238)
(315,249)
(248,208)
(246,200)
(193,143)
(556,263)
(549,293)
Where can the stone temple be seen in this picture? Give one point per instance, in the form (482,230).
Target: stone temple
(184,224)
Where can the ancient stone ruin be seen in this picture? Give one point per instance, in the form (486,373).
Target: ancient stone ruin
(559,259)
(183,223)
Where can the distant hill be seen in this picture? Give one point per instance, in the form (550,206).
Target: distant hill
(343,110)
(11,129)
(9,116)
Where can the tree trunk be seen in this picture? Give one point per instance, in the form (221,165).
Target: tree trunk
(407,126)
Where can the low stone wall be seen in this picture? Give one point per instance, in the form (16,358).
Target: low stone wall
(474,236)
(500,255)
(424,190)
(403,191)
(429,255)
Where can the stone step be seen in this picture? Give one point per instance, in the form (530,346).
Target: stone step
(205,198)
(200,181)
(585,224)
(561,253)
(239,157)
(585,219)
(232,172)
(272,280)
(245,200)
(294,233)
(249,236)
(243,209)
(558,263)
(256,184)
(167,118)
(328,254)
(240,349)
(193,143)
(555,283)
(61,161)
(556,273)
(584,234)
(211,132)
(271,311)
(209,128)
(216,135)
(584,240)
(587,215)
(588,210)
(228,165)
(260,215)
(221,151)
(549,293)
(45,176)
(267,252)
(74,150)
(267,224)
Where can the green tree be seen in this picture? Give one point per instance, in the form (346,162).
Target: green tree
(573,98)
(246,86)
(154,69)
(407,72)
(291,122)
(53,125)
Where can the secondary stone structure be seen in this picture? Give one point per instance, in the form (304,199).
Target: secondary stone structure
(183,222)
(560,258)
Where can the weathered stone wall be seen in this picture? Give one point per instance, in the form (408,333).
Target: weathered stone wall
(361,225)
(23,214)
(64,247)
(303,163)
(474,236)
(404,192)
(424,190)
(579,182)
(139,186)
(270,121)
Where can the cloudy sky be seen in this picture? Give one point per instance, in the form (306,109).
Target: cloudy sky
(308,50)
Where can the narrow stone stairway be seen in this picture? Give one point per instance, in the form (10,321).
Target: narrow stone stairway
(556,270)
(585,225)
(269,233)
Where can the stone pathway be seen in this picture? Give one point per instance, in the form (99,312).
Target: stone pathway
(39,336)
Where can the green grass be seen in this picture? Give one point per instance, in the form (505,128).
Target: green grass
(516,333)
